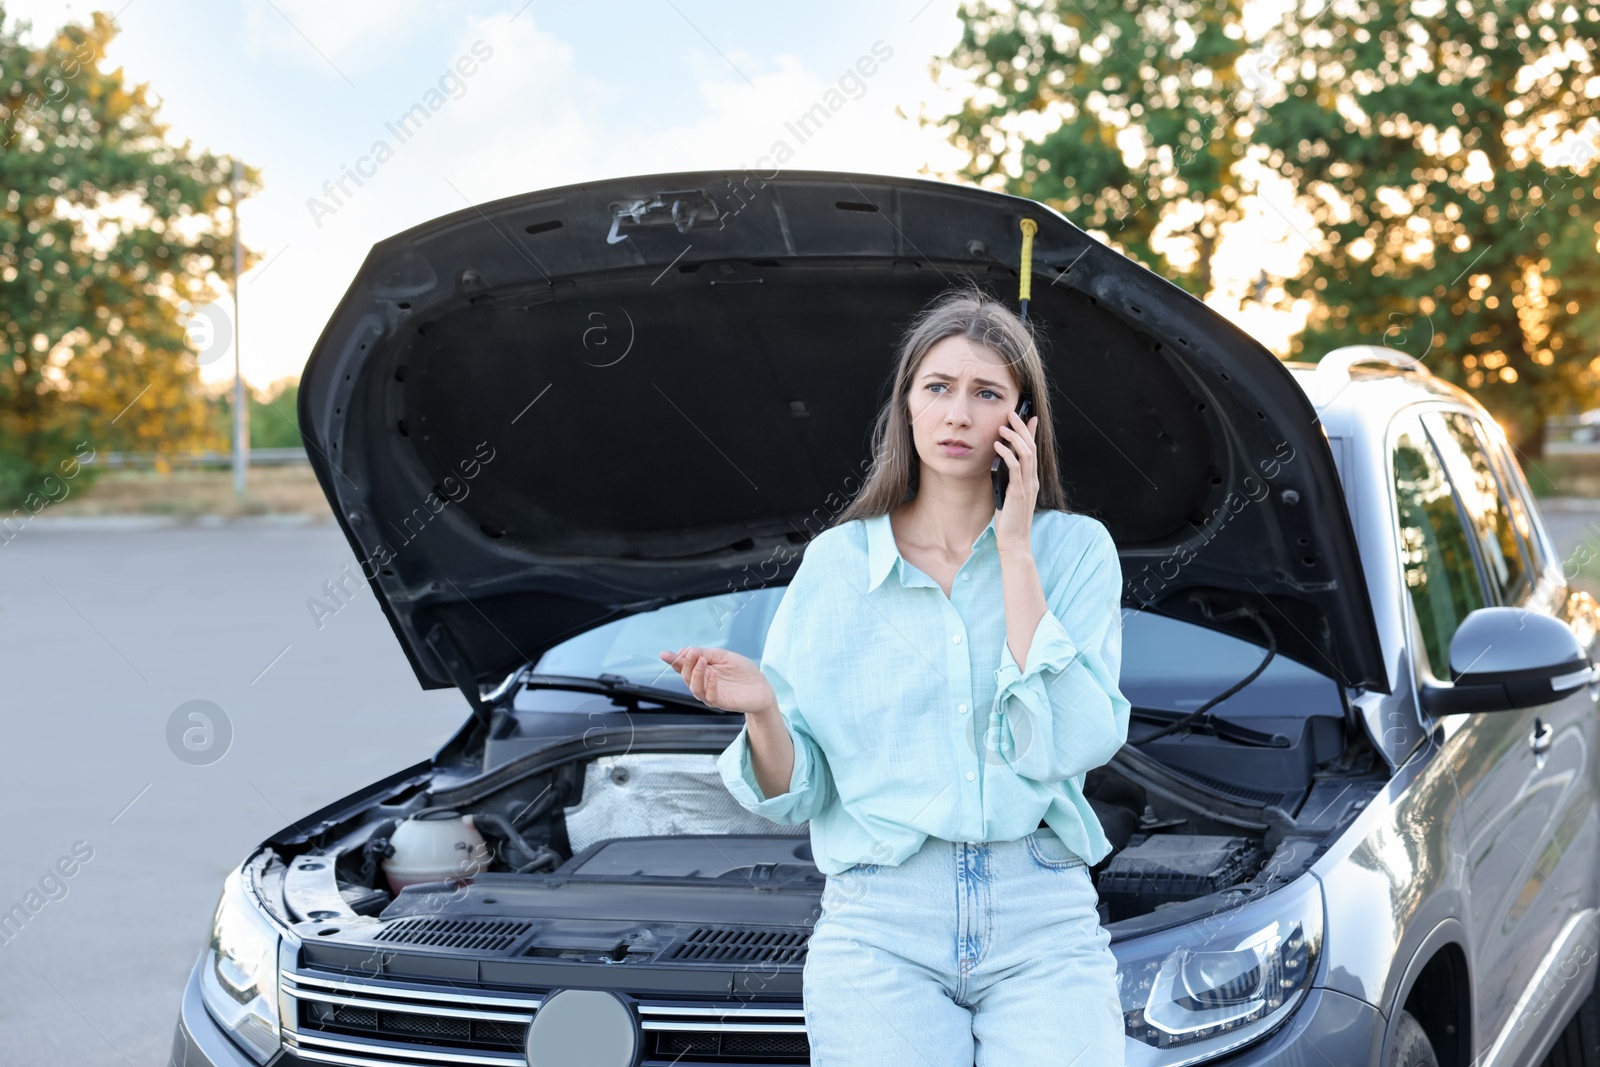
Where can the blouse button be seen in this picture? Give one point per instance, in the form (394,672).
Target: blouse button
(970,776)
(962,709)
(956,639)
(964,577)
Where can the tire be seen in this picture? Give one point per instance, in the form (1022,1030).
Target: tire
(1411,1046)
(1578,1045)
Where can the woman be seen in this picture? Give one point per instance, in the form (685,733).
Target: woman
(958,921)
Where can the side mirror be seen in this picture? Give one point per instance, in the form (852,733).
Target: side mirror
(1504,658)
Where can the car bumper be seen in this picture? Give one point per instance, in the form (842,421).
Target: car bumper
(1329,1027)
(199,1041)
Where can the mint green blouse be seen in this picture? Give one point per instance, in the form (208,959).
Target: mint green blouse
(909,715)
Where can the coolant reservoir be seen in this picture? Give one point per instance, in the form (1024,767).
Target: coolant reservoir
(434,845)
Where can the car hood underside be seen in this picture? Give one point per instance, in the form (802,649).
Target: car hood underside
(543,413)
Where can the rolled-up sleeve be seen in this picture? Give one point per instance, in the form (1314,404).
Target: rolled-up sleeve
(1066,714)
(810,785)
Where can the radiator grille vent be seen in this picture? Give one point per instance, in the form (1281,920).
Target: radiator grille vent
(793,1047)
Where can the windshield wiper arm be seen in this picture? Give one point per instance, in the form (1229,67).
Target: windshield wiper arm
(1222,728)
(617,685)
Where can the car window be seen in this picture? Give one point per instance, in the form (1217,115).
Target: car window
(1340,447)
(1517,498)
(1521,500)
(1479,493)
(1336,446)
(1435,555)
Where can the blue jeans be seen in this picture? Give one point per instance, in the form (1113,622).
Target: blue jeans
(987,953)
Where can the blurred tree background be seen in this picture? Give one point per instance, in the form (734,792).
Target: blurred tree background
(1433,159)
(109,235)
(1443,149)
(274,416)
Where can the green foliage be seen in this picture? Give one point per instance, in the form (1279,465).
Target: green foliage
(1056,84)
(1445,231)
(1443,147)
(105,229)
(274,416)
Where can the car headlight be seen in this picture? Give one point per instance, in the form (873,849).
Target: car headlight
(239,974)
(1207,987)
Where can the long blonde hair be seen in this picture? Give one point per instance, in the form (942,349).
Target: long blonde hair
(964,310)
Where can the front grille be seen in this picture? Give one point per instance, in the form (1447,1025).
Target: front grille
(389,1023)
(332,1015)
(513,1034)
(766,1046)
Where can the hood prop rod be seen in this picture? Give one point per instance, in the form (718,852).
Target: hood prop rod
(1025,273)
(450,655)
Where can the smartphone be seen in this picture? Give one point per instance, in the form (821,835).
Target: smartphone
(999,471)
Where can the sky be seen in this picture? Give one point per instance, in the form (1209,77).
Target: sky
(558,93)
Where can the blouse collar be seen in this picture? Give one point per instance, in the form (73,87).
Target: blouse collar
(883,553)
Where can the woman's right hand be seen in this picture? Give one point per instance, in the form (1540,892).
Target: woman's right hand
(722,679)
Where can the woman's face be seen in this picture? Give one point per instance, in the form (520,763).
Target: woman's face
(960,396)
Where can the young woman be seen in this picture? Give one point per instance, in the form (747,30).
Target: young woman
(936,682)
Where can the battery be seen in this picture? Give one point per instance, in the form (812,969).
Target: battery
(1157,869)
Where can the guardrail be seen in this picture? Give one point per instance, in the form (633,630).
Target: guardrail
(1571,435)
(259,457)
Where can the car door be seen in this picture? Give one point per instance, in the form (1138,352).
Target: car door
(1574,844)
(1488,759)
(1523,887)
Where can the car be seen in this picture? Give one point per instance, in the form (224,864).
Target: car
(1583,428)
(1355,818)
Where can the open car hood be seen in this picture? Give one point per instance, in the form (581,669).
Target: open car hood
(543,413)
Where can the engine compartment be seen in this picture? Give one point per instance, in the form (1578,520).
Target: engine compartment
(640,855)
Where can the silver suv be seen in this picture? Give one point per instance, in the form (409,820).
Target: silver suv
(1355,820)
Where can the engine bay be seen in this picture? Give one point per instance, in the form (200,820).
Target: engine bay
(641,856)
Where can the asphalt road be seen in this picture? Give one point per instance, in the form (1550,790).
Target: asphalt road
(104,634)
(1575,525)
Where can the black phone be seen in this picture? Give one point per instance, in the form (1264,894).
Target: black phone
(999,471)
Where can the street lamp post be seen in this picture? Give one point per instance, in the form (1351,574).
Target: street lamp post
(241,409)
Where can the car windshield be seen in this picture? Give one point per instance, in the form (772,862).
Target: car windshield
(1166,663)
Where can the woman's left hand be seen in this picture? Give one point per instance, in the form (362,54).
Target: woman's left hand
(1013,523)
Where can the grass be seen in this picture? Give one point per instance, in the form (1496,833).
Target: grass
(290,490)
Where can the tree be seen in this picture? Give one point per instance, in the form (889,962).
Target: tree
(1442,148)
(106,230)
(274,415)
(1123,116)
